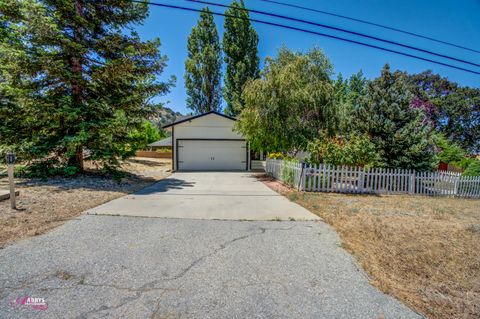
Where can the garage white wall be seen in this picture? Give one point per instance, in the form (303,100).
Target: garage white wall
(209,126)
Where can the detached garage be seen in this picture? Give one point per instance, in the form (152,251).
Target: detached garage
(207,142)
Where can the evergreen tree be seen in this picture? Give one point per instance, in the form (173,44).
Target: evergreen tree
(240,43)
(342,105)
(203,66)
(400,132)
(81,82)
(347,95)
(357,86)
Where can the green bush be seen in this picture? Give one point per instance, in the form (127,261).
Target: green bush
(473,169)
(464,162)
(288,173)
(352,150)
(450,152)
(46,168)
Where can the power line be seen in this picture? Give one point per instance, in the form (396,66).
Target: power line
(311,32)
(372,23)
(337,29)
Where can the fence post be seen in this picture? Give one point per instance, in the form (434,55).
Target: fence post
(411,186)
(301,179)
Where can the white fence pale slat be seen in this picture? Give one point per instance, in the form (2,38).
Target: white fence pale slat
(329,178)
(321,179)
(338,178)
(380,180)
(389,180)
(366,177)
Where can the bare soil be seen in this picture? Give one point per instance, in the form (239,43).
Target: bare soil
(423,250)
(45,204)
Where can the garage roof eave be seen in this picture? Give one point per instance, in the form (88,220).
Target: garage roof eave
(183,120)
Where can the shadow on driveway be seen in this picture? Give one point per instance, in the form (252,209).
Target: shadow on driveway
(166,185)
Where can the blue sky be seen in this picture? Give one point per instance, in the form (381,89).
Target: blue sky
(452,21)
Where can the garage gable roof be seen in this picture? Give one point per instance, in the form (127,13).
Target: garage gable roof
(165,142)
(189,118)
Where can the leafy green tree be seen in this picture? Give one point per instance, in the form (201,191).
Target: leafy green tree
(81,82)
(146,134)
(401,134)
(453,110)
(240,43)
(203,66)
(290,103)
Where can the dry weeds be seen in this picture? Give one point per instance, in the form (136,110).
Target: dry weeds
(423,250)
(43,205)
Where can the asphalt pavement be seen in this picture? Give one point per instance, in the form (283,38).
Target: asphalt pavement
(135,267)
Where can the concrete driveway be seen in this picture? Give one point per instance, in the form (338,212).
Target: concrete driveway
(207,195)
(124,267)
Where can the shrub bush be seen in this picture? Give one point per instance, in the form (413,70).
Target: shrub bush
(450,152)
(473,169)
(288,172)
(352,150)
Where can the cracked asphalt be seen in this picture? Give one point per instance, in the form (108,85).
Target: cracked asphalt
(132,267)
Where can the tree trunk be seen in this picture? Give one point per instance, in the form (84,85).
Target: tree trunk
(79,157)
(76,65)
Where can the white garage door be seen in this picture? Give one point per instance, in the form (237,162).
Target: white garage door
(212,155)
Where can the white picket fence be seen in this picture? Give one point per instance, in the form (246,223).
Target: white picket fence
(357,180)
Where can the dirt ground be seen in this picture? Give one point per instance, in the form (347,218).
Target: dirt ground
(43,205)
(423,250)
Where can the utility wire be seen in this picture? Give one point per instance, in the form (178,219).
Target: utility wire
(310,32)
(337,29)
(372,23)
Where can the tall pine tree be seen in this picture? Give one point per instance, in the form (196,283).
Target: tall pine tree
(88,81)
(240,43)
(203,66)
(401,133)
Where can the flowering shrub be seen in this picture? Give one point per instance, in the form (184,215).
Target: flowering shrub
(275,155)
(353,150)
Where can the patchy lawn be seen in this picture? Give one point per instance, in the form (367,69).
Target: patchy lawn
(423,250)
(43,205)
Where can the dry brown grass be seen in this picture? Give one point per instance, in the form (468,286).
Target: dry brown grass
(43,205)
(423,250)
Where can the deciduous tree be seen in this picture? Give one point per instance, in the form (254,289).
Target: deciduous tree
(453,110)
(203,66)
(290,103)
(240,43)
